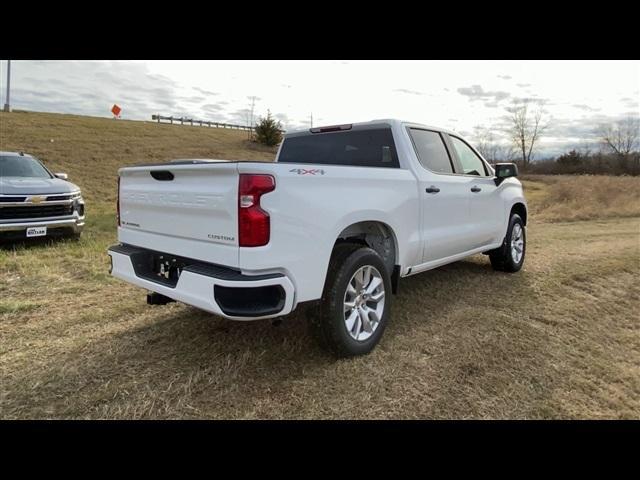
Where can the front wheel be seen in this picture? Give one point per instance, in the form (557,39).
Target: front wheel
(356,302)
(510,256)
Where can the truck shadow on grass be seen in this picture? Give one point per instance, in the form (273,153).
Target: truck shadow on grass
(182,362)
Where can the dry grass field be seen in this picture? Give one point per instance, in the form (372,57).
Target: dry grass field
(560,339)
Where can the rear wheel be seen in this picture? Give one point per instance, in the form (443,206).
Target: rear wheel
(355,304)
(510,256)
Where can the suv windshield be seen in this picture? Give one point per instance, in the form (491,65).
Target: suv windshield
(372,147)
(17,166)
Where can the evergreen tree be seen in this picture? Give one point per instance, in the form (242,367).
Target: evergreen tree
(268,131)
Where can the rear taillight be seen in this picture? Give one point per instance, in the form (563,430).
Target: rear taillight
(253,222)
(118,202)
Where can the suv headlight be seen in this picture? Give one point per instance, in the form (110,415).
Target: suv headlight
(78,203)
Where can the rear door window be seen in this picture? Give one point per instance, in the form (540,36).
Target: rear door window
(431,150)
(372,147)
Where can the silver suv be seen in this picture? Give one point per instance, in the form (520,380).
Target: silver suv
(34,202)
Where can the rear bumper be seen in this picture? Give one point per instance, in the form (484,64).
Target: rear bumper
(218,290)
(76,224)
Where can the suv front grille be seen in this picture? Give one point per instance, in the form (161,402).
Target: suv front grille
(55,198)
(36,211)
(12,199)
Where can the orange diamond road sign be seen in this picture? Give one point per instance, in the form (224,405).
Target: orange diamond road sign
(116,110)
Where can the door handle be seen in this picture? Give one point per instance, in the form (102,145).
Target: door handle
(432,189)
(475,189)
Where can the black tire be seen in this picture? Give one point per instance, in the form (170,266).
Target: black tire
(501,258)
(327,320)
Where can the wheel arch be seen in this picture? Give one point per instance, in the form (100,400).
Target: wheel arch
(521,209)
(380,237)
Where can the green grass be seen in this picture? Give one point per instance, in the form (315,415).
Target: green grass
(16,306)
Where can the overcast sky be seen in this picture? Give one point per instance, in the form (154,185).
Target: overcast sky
(459,95)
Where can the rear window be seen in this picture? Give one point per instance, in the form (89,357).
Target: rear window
(362,148)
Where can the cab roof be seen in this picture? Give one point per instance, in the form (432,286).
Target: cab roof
(389,121)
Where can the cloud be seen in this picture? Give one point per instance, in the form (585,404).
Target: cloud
(522,85)
(205,92)
(535,99)
(629,102)
(505,77)
(493,104)
(284,119)
(586,129)
(476,92)
(91,88)
(213,112)
(241,116)
(193,99)
(409,92)
(212,106)
(583,106)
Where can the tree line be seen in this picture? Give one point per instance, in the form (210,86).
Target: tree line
(617,151)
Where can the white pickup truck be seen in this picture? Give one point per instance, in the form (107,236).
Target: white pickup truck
(341,215)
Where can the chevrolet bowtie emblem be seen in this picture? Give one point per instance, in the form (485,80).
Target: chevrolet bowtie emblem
(37,199)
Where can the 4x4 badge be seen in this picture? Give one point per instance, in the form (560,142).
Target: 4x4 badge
(304,171)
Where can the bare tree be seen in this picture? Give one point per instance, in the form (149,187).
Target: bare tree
(623,138)
(526,127)
(491,148)
(506,153)
(485,143)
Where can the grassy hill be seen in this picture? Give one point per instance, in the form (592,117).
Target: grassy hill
(560,339)
(91,149)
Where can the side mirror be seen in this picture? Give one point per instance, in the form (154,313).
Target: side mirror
(505,170)
(61,176)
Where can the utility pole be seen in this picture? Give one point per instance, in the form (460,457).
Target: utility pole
(311,119)
(7,105)
(253,102)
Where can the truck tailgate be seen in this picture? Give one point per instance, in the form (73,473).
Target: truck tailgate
(189,210)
